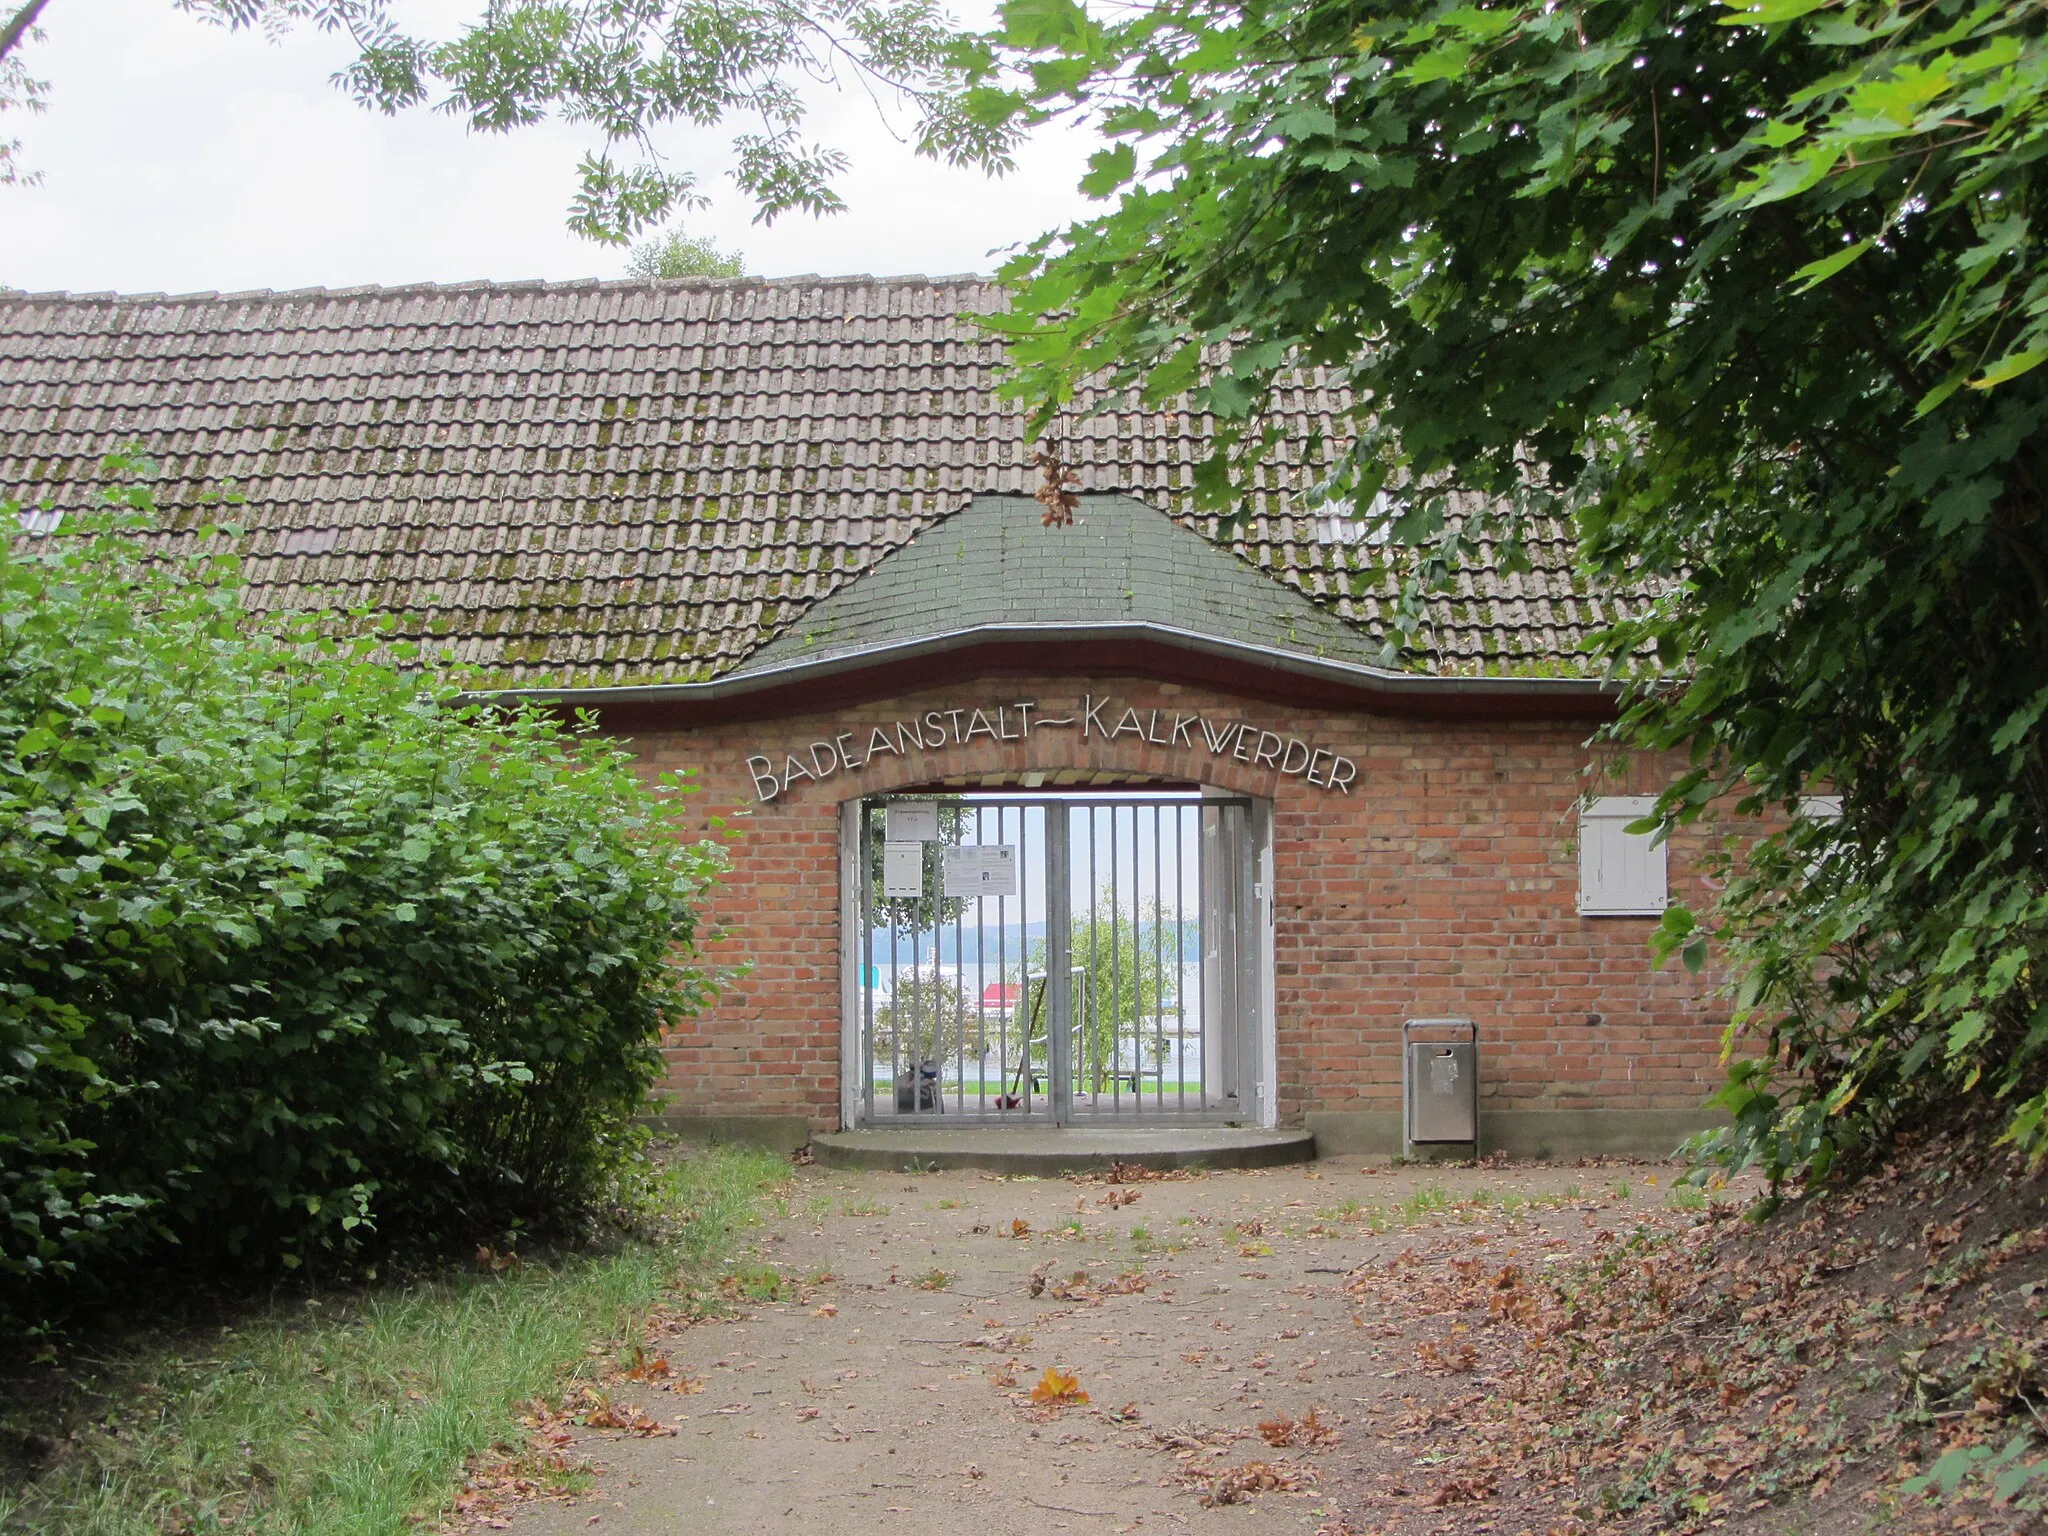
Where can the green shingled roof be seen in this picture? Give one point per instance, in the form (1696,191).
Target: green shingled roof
(1119,562)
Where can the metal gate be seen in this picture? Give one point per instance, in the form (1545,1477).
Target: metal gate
(1057,960)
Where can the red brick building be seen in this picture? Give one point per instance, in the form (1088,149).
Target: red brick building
(1125,823)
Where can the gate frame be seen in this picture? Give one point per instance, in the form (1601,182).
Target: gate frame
(1262,1035)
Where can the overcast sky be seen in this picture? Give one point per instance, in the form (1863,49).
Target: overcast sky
(177,157)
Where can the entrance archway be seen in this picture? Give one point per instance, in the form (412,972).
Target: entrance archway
(1076,956)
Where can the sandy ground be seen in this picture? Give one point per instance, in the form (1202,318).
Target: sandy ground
(895,1395)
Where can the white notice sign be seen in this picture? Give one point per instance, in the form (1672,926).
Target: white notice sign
(902,869)
(913,821)
(981,871)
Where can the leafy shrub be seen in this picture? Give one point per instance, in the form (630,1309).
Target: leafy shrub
(295,944)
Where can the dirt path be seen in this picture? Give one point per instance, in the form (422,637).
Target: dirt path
(894,1396)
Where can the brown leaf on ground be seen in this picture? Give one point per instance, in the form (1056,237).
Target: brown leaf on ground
(1451,1356)
(626,1416)
(1309,1431)
(646,1367)
(1461,1490)
(1236,1484)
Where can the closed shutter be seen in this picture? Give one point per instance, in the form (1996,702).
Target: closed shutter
(1621,873)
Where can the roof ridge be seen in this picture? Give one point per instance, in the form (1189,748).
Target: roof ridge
(490,285)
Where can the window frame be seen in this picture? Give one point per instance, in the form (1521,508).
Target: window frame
(1613,813)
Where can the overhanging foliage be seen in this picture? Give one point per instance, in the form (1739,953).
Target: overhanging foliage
(1752,294)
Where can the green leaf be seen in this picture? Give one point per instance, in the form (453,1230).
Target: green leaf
(1109,169)
(1044,24)
(2010,367)
(1767,13)
(1817,272)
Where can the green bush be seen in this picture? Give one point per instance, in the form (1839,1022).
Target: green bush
(295,944)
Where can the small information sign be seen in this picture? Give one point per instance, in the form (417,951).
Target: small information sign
(989,871)
(913,821)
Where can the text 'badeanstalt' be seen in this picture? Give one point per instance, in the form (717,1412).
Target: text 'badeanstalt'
(938,730)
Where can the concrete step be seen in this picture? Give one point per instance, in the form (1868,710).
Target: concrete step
(1049,1150)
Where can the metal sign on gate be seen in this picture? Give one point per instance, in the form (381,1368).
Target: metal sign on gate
(1046,959)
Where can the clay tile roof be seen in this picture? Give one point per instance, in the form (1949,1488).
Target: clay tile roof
(596,484)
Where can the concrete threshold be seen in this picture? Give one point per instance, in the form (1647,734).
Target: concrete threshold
(1049,1150)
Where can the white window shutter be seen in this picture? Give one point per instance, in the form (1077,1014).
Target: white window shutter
(1621,873)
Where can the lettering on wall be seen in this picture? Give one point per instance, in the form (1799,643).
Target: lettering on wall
(938,729)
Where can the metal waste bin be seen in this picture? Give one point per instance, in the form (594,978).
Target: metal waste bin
(1439,1083)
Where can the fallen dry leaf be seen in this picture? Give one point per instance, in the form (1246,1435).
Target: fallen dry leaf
(1237,1483)
(1309,1431)
(646,1367)
(1058,1389)
(634,1420)
(1461,1490)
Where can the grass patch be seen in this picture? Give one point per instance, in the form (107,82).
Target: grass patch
(1425,1201)
(755,1282)
(342,1415)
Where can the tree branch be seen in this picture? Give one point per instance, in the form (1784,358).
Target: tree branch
(17,29)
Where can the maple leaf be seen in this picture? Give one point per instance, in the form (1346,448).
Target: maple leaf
(1058,1389)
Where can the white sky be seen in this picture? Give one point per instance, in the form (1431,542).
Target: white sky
(178,157)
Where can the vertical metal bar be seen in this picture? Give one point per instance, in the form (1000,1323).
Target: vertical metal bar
(1002,984)
(1023,1078)
(1180,956)
(866,1065)
(1158,966)
(1213,928)
(1059,982)
(1093,1038)
(1044,981)
(1241,963)
(959,985)
(1116,969)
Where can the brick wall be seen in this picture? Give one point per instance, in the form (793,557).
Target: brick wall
(1443,883)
